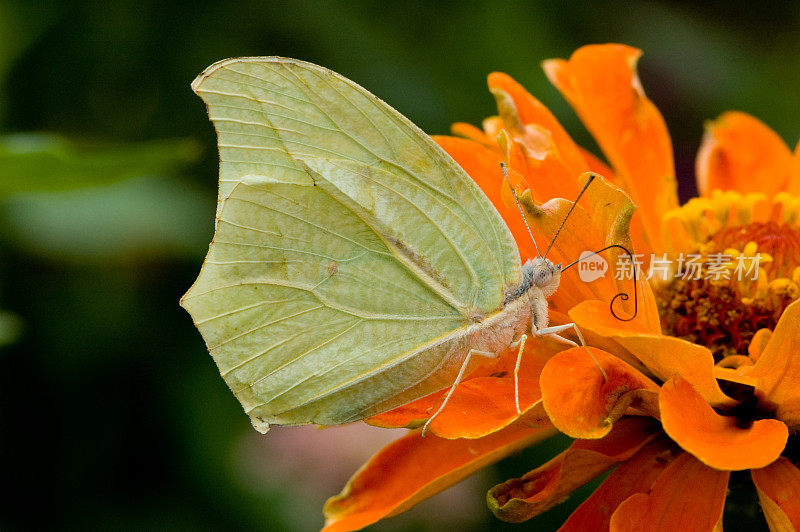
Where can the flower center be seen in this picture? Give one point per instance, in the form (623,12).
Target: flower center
(780,241)
(747,276)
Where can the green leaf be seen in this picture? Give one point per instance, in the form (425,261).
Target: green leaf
(38,162)
(145,217)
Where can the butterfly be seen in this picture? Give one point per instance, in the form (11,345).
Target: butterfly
(355,267)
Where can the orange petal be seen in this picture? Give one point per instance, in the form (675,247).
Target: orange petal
(688,496)
(483,405)
(760,341)
(468,131)
(664,356)
(518,169)
(554,156)
(483,402)
(778,367)
(601,84)
(611,210)
(741,153)
(532,111)
(520,499)
(635,475)
(409,416)
(717,441)
(778,487)
(602,219)
(414,468)
(483,166)
(579,235)
(597,166)
(578,398)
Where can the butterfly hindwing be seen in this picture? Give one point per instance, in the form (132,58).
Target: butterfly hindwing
(299,297)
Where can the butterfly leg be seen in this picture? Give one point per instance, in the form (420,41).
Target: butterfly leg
(552,332)
(521,344)
(460,375)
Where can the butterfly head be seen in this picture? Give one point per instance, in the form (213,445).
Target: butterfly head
(543,274)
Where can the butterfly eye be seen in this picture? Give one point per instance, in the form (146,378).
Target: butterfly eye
(543,276)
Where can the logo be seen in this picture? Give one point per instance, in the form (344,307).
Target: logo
(591,267)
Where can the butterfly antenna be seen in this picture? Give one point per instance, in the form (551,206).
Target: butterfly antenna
(622,295)
(585,186)
(519,206)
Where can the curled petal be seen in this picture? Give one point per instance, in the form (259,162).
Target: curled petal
(760,340)
(601,84)
(717,441)
(778,367)
(778,487)
(635,475)
(579,399)
(520,499)
(664,356)
(519,170)
(414,468)
(739,152)
(551,154)
(532,111)
(612,209)
(688,496)
(598,221)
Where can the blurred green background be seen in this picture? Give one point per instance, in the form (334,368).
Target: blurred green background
(112,414)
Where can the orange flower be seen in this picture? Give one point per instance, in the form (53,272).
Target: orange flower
(704,381)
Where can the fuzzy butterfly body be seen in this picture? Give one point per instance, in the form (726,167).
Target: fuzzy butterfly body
(355,266)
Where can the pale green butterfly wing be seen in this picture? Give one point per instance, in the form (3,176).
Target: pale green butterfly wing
(347,242)
(299,298)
